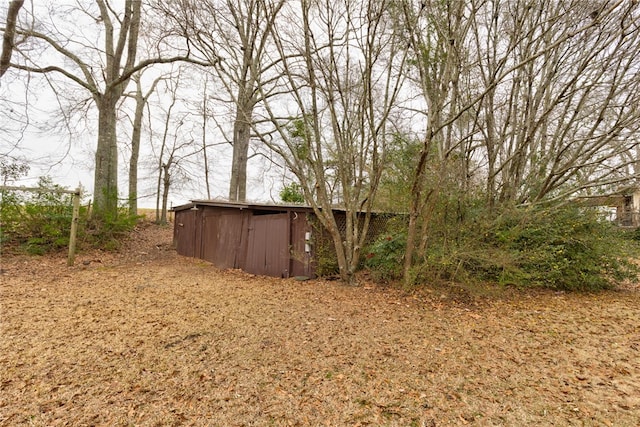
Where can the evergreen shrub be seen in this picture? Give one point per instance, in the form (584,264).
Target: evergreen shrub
(562,248)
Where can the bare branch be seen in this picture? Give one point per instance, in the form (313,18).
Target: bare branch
(8,36)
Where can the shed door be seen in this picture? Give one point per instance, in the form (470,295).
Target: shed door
(184,233)
(268,249)
(221,237)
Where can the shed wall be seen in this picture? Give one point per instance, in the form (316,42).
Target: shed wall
(259,241)
(222,236)
(268,245)
(184,233)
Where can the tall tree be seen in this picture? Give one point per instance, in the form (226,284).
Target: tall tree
(560,123)
(539,99)
(205,115)
(141,98)
(340,69)
(436,36)
(233,35)
(101,65)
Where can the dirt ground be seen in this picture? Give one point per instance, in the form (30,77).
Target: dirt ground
(145,337)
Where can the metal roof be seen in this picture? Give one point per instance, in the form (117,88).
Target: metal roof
(276,207)
(242,205)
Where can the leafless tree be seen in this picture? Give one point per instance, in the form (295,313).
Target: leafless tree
(560,122)
(177,152)
(102,66)
(141,99)
(436,36)
(340,68)
(205,115)
(233,36)
(536,100)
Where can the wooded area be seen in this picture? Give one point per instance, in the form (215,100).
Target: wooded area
(437,110)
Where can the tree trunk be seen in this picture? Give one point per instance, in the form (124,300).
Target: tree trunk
(415,208)
(346,272)
(9,35)
(158,188)
(241,138)
(135,151)
(166,183)
(204,139)
(105,190)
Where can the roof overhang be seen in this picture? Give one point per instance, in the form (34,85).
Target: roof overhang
(240,206)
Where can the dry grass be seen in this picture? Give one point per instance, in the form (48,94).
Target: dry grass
(153,339)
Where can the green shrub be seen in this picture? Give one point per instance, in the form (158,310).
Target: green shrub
(562,248)
(566,248)
(108,232)
(292,193)
(10,214)
(385,257)
(40,222)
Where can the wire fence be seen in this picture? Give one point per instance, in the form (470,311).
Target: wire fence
(380,224)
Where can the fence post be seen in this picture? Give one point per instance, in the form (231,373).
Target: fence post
(74,226)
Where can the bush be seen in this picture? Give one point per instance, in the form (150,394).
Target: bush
(40,222)
(567,248)
(292,193)
(108,232)
(562,248)
(385,257)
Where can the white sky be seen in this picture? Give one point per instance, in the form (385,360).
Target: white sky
(67,155)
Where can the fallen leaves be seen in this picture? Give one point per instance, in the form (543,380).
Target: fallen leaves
(146,337)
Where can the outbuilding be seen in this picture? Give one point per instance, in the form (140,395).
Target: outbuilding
(277,240)
(270,240)
(624,206)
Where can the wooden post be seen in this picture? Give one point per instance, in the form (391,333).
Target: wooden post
(74,226)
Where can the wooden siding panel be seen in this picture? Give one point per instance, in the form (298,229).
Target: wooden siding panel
(268,245)
(185,232)
(221,237)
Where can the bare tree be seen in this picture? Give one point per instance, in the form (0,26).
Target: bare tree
(561,122)
(205,115)
(436,35)
(340,69)
(177,142)
(233,35)
(538,99)
(141,98)
(103,71)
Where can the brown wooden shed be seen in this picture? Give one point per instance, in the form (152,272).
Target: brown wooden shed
(270,240)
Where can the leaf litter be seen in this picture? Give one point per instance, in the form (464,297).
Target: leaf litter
(146,337)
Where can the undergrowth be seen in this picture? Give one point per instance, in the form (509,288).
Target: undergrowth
(40,222)
(562,248)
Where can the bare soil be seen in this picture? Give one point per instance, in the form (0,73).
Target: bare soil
(148,338)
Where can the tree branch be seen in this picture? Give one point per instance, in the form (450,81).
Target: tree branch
(9,35)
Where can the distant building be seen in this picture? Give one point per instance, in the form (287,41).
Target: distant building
(626,204)
(628,212)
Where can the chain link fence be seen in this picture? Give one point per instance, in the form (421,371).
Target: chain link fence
(380,224)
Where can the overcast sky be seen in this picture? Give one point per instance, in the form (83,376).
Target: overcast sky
(31,128)
(66,153)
